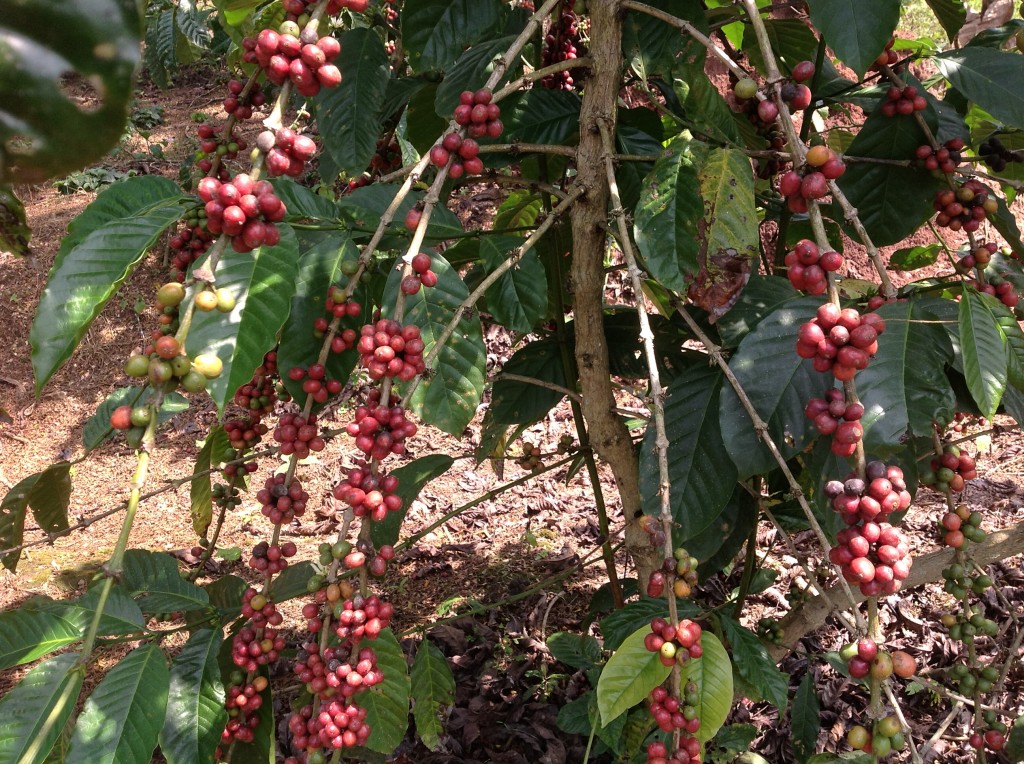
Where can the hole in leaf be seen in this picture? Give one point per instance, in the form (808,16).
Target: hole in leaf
(86,93)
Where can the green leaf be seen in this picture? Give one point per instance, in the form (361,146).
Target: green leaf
(667,217)
(951,14)
(471,71)
(87,274)
(991,78)
(349,115)
(793,41)
(194,24)
(46,694)
(728,230)
(365,206)
(45,130)
(120,613)
(579,651)
(387,702)
(713,674)
(123,715)
(411,479)
(225,594)
(234,12)
(155,583)
(1015,744)
(1014,337)
(195,715)
(516,402)
(983,348)
(97,427)
(433,688)
(701,482)
(14,231)
(621,623)
(447,398)
(435,32)
(47,493)
(200,490)
(291,582)
(319,267)
(755,665)
(762,295)
(904,388)
(262,283)
(779,383)
(541,115)
(912,258)
(519,298)
(892,201)
(303,203)
(160,58)
(855,36)
(650,44)
(26,635)
(805,718)
(629,676)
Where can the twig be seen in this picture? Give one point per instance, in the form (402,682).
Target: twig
(539,383)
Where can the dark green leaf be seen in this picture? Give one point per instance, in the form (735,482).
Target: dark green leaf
(292,581)
(48,498)
(157,586)
(120,613)
(637,131)
(46,694)
(579,651)
(650,43)
(365,206)
(755,665)
(447,398)
(734,525)
(471,70)
(1015,744)
(991,78)
(951,14)
(701,482)
(629,676)
(541,116)
(387,703)
(195,715)
(433,688)
(303,203)
(194,24)
(14,231)
(620,624)
(225,594)
(435,32)
(123,715)
(667,217)
(519,298)
(912,258)
(12,520)
(262,283)
(983,348)
(45,131)
(855,36)
(805,718)
(761,296)
(574,716)
(86,274)
(904,388)
(26,635)
(200,491)
(1005,222)
(516,402)
(779,383)
(160,59)
(411,479)
(349,115)
(736,738)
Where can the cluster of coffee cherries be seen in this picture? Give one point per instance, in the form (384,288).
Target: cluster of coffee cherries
(870,551)
(370,494)
(164,364)
(672,715)
(421,275)
(959,526)
(212,144)
(821,166)
(298,435)
(885,736)
(280,502)
(770,630)
(945,159)
(271,559)
(389,349)
(189,242)
(285,55)
(979,679)
(381,430)
(561,43)
(244,209)
(315,383)
(833,415)
(903,101)
(795,93)
(807,267)
(285,151)
(887,57)
(1000,288)
(996,155)
(992,736)
(950,471)
(242,702)
(674,643)
(464,153)
(531,457)
(762,115)
(478,115)
(965,207)
(257,643)
(979,257)
(840,340)
(680,570)
(865,657)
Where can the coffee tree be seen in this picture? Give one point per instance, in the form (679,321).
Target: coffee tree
(713,158)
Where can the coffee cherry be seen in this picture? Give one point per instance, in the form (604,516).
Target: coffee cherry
(745,88)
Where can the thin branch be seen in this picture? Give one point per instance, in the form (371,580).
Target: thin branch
(539,383)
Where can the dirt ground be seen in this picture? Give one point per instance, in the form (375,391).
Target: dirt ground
(509,688)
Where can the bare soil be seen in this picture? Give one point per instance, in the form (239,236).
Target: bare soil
(498,553)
